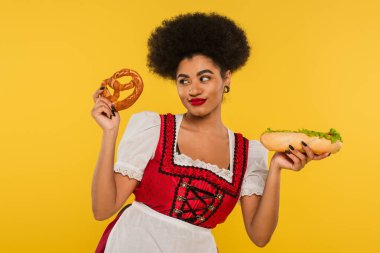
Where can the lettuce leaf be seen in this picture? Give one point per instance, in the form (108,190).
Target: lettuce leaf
(331,135)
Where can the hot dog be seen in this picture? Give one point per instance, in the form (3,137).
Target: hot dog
(279,140)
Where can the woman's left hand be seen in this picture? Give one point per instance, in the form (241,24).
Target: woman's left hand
(294,159)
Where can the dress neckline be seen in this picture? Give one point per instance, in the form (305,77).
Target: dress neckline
(201,163)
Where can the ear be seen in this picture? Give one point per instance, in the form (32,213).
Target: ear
(227,77)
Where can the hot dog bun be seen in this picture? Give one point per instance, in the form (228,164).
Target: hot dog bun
(319,143)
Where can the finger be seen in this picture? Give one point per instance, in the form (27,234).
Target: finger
(96,94)
(295,159)
(113,110)
(322,156)
(297,153)
(105,101)
(102,108)
(309,152)
(105,114)
(108,102)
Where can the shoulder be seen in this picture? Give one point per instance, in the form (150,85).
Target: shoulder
(144,119)
(150,116)
(257,156)
(146,115)
(147,119)
(255,146)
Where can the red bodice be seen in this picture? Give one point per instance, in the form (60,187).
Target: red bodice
(192,194)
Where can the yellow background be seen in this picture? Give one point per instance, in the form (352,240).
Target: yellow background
(314,64)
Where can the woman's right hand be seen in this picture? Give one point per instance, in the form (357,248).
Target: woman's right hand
(102,112)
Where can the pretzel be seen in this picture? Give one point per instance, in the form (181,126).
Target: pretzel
(136,83)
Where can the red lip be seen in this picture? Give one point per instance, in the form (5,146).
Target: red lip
(197,101)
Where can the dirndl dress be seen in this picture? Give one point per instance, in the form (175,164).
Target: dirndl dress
(178,200)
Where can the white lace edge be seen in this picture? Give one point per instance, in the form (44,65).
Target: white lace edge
(128,171)
(250,191)
(184,160)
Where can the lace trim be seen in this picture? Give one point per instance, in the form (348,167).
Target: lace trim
(184,160)
(251,191)
(253,186)
(131,173)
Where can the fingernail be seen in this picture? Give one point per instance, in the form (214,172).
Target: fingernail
(329,154)
(102,88)
(303,143)
(113,110)
(291,147)
(288,152)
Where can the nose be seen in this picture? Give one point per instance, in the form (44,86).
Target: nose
(195,89)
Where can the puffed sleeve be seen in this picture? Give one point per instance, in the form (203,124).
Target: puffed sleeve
(138,144)
(257,169)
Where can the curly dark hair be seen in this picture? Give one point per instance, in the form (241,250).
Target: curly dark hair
(185,35)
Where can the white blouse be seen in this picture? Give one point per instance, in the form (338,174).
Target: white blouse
(140,139)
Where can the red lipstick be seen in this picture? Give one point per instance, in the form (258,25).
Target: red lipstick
(197,101)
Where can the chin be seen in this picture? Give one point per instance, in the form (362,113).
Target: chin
(198,112)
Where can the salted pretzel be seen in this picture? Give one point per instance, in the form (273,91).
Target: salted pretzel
(136,83)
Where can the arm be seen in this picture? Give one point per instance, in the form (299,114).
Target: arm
(109,190)
(260,213)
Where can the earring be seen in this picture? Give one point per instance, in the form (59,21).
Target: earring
(226,89)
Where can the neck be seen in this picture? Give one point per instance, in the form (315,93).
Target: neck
(210,123)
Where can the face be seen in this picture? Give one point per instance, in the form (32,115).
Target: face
(200,85)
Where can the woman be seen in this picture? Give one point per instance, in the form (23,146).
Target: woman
(187,171)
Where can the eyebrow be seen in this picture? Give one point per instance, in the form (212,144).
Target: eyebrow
(198,74)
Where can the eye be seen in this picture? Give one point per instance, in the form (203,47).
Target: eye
(207,78)
(182,81)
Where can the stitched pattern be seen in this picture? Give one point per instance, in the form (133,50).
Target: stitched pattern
(195,205)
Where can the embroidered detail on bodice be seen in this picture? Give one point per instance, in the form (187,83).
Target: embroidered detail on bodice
(193,204)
